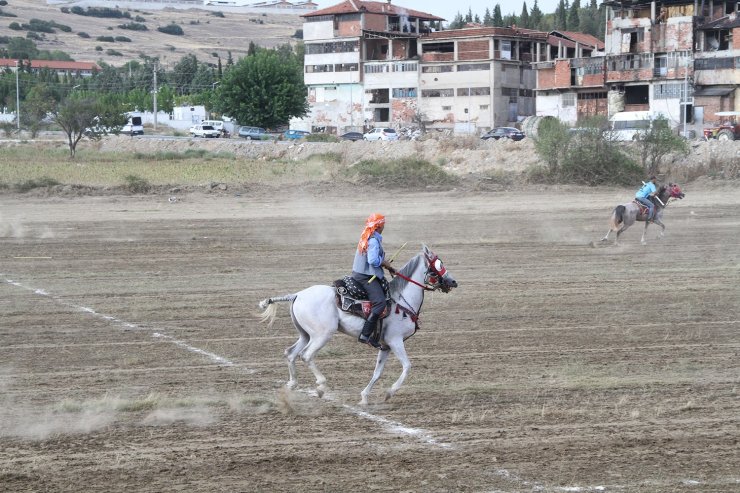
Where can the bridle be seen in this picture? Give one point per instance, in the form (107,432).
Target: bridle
(433,277)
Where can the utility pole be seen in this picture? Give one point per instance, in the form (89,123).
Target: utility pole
(154,96)
(17,98)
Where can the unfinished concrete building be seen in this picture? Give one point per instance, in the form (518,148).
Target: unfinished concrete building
(479,78)
(361,65)
(677,58)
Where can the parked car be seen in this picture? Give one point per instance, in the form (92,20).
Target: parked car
(503,133)
(218,125)
(728,129)
(205,131)
(135,126)
(381,134)
(295,134)
(253,133)
(353,136)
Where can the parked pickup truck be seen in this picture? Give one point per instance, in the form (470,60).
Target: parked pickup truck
(204,131)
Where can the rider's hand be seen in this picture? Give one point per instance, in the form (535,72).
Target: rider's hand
(391,270)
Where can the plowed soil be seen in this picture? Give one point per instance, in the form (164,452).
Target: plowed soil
(131,358)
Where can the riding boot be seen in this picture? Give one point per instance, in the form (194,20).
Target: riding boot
(368,329)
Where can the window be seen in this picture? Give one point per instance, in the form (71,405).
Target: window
(310,69)
(509,91)
(320,18)
(404,92)
(568,99)
(405,67)
(346,67)
(473,66)
(437,69)
(377,68)
(474,91)
(336,47)
(446,108)
(437,93)
(448,47)
(378,96)
(484,106)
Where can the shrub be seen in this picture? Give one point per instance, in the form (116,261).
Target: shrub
(552,142)
(173,29)
(98,48)
(217,13)
(35,36)
(298,34)
(321,138)
(657,142)
(134,26)
(6,14)
(65,10)
(400,173)
(136,184)
(15,26)
(139,18)
(3,3)
(106,39)
(83,34)
(123,39)
(42,182)
(111,52)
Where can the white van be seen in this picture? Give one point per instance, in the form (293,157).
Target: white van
(217,124)
(628,125)
(135,126)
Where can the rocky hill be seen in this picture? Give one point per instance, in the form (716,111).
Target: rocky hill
(208,31)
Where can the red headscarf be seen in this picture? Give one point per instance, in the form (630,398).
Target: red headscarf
(372,223)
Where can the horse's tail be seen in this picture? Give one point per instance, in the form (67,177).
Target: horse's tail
(617,217)
(269,308)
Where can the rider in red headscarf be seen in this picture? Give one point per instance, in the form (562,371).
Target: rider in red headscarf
(367,268)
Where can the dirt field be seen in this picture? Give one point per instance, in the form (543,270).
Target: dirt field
(131,358)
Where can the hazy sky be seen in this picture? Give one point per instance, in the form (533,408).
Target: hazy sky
(448,9)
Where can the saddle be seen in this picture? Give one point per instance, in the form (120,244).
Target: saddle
(643,208)
(352,297)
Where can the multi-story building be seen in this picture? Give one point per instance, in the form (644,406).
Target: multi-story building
(482,78)
(361,64)
(677,58)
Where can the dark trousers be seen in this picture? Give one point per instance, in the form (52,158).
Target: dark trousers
(374,291)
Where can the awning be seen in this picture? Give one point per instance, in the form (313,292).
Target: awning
(714,91)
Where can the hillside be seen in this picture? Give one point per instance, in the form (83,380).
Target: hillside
(205,32)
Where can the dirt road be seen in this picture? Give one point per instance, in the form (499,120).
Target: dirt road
(131,358)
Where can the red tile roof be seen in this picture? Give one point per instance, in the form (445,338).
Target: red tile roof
(386,8)
(583,38)
(52,64)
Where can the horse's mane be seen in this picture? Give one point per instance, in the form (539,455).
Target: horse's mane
(398,284)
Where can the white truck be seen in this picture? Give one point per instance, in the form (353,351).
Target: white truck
(204,131)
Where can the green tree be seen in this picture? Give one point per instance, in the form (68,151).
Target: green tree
(83,115)
(265,89)
(498,20)
(574,21)
(487,19)
(535,17)
(658,142)
(561,17)
(39,102)
(183,74)
(22,48)
(524,17)
(458,22)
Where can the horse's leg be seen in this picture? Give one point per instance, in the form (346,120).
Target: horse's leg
(292,354)
(644,232)
(314,345)
(619,232)
(400,351)
(606,236)
(379,365)
(662,227)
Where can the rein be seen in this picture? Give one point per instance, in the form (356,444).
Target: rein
(422,286)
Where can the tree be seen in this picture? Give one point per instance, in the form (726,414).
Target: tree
(574,21)
(80,116)
(535,17)
(458,22)
(498,20)
(469,16)
(265,90)
(657,142)
(183,74)
(487,19)
(561,17)
(38,104)
(524,17)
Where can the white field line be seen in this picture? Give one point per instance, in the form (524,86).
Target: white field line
(390,426)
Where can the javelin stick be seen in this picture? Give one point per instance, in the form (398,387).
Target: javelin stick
(391,260)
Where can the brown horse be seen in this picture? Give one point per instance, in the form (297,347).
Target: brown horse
(625,215)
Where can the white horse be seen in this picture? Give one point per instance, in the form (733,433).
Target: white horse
(317,317)
(625,215)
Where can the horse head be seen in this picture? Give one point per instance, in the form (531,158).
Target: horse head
(437,276)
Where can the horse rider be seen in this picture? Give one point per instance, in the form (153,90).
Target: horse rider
(367,268)
(644,195)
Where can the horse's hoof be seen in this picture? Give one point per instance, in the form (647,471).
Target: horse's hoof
(388,396)
(290,385)
(320,391)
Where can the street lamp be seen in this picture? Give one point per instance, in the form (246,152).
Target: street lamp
(17,98)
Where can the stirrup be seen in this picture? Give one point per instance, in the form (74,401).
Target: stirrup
(369,341)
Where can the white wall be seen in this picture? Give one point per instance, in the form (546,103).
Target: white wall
(551,105)
(313,31)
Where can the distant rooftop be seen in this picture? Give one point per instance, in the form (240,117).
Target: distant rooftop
(385,8)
